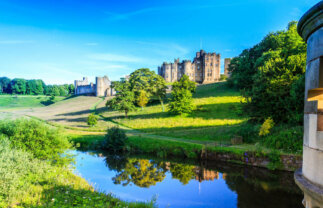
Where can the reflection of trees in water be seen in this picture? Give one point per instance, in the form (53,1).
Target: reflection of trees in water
(141,172)
(254,186)
(145,173)
(253,194)
(184,173)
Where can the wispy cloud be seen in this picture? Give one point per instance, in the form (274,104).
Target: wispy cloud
(12,42)
(115,58)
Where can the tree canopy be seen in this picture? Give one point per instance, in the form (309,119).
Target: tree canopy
(124,99)
(33,87)
(270,76)
(181,100)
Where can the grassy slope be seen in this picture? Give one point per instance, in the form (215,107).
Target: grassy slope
(13,102)
(216,117)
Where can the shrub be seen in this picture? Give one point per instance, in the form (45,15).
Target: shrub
(286,138)
(266,127)
(92,120)
(115,140)
(248,132)
(17,171)
(36,137)
(223,77)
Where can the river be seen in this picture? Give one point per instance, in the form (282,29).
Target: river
(188,183)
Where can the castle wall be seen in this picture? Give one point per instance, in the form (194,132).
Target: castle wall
(205,68)
(102,87)
(85,89)
(227,62)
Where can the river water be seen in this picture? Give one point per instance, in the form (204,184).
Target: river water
(188,184)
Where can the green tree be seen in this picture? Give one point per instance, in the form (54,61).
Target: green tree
(18,86)
(5,85)
(142,79)
(124,98)
(92,120)
(71,89)
(34,87)
(271,76)
(181,100)
(159,90)
(142,99)
(115,140)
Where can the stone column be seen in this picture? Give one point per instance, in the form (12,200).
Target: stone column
(310,178)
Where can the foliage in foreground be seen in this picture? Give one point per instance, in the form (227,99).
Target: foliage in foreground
(271,77)
(17,172)
(26,181)
(36,137)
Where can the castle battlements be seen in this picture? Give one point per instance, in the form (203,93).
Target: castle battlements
(205,68)
(101,88)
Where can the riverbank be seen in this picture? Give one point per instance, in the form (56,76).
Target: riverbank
(166,148)
(34,174)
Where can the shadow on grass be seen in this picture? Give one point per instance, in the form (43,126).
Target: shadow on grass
(208,111)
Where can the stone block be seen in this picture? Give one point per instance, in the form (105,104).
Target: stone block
(319,141)
(313,165)
(315,45)
(310,128)
(311,82)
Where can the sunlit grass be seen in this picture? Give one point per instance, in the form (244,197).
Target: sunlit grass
(216,116)
(23,101)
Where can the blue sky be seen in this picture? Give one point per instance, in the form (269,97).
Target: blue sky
(62,40)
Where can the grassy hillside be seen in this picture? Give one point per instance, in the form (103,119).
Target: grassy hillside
(216,118)
(26,101)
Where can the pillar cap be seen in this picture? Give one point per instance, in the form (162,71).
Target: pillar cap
(311,21)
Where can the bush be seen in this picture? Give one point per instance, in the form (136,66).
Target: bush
(286,139)
(92,120)
(223,77)
(17,171)
(115,140)
(248,132)
(36,137)
(266,127)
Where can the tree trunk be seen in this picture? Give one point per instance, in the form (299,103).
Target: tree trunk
(162,104)
(126,113)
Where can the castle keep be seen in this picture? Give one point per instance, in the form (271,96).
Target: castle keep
(102,87)
(227,62)
(205,68)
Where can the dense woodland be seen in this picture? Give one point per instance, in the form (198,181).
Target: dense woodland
(33,87)
(271,76)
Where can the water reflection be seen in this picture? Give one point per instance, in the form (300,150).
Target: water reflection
(189,184)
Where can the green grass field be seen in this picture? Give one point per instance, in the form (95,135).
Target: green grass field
(216,118)
(25,101)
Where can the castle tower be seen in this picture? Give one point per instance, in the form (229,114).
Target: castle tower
(103,86)
(310,178)
(227,62)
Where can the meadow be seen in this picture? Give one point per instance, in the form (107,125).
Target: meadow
(217,116)
(26,101)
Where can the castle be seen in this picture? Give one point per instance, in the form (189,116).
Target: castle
(102,87)
(205,68)
(227,62)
